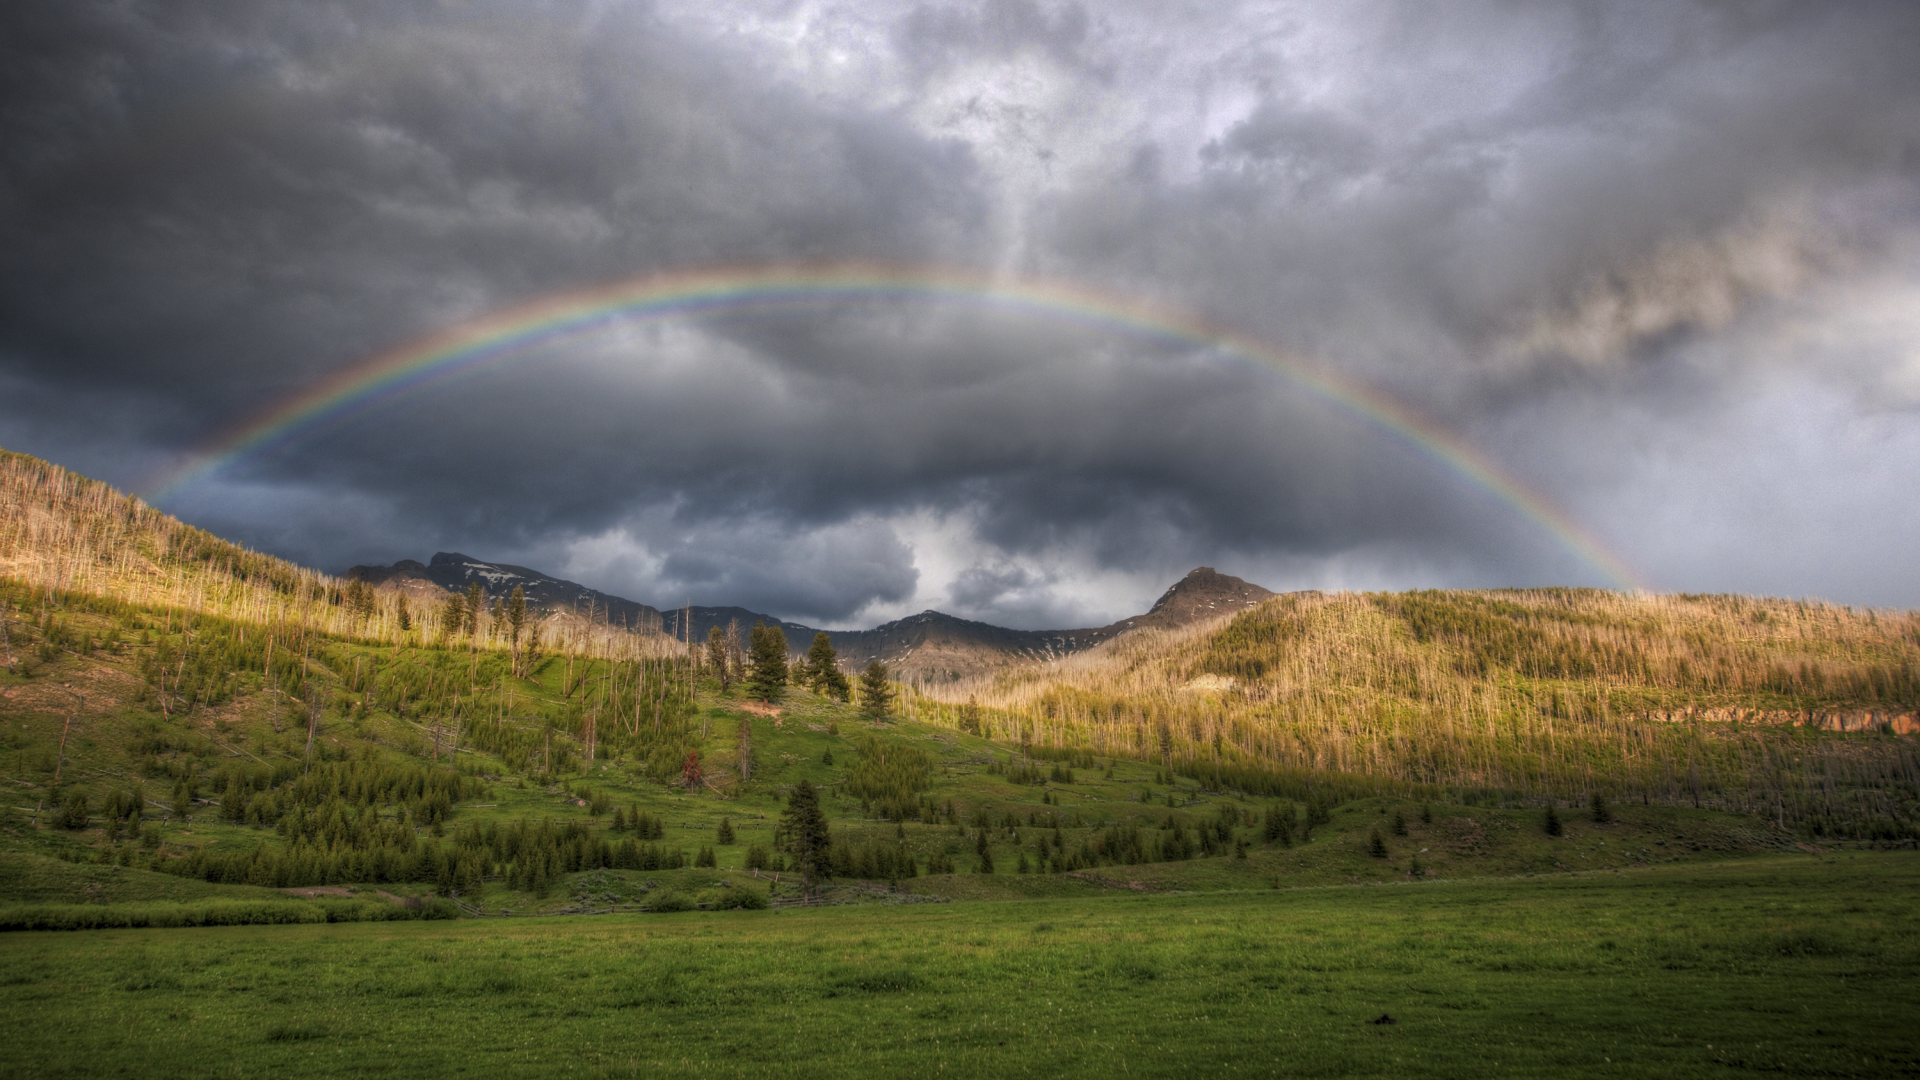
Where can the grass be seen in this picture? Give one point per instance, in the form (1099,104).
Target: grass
(1794,965)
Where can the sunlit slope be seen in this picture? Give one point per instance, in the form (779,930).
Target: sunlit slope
(1763,705)
(63,532)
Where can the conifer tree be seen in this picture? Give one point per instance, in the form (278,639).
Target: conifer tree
(717,657)
(516,622)
(767,651)
(984,849)
(1377,847)
(970,716)
(1601,812)
(1399,823)
(876,693)
(724,836)
(807,838)
(476,602)
(822,669)
(75,815)
(453,617)
(1554,828)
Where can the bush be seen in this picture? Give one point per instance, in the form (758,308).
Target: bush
(741,899)
(159,914)
(75,814)
(669,901)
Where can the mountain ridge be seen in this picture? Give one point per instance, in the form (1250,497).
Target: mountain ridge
(930,646)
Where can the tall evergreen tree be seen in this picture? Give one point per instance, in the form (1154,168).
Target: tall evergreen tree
(476,598)
(453,616)
(822,669)
(876,693)
(767,650)
(970,716)
(516,622)
(807,837)
(717,658)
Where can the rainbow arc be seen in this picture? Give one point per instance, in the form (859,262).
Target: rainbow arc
(500,336)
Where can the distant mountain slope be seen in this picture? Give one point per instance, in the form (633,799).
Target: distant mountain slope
(928,647)
(932,647)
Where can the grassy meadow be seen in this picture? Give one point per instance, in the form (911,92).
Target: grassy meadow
(1795,965)
(264,823)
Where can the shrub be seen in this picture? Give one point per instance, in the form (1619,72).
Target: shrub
(75,814)
(742,899)
(669,901)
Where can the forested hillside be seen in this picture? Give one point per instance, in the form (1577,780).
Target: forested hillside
(1802,711)
(175,703)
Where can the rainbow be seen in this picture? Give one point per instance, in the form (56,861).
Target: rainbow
(500,335)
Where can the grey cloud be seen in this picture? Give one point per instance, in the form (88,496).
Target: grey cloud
(1541,226)
(934,36)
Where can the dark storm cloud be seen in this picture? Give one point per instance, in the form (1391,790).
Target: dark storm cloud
(1561,229)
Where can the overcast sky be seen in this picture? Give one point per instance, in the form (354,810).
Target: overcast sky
(1659,261)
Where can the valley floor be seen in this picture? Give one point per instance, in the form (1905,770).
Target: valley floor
(1782,964)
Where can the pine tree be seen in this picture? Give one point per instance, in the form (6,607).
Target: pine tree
(1377,847)
(516,622)
(767,651)
(1426,814)
(476,602)
(453,616)
(1399,823)
(1602,813)
(724,836)
(717,657)
(75,815)
(822,669)
(1279,824)
(970,717)
(807,838)
(876,693)
(1554,828)
(984,849)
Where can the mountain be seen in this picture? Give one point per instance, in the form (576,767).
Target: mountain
(929,647)
(934,647)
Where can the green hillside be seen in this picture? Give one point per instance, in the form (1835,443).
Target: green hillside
(1313,740)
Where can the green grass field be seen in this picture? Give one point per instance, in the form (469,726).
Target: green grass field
(1790,965)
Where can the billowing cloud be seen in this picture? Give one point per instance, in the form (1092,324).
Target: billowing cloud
(1611,246)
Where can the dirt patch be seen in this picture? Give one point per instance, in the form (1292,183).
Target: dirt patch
(1110,883)
(758,708)
(1462,836)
